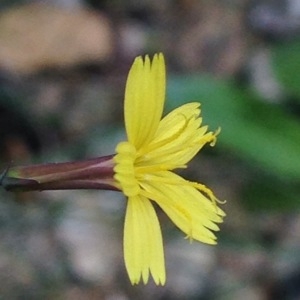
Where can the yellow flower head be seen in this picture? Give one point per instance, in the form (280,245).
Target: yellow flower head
(143,171)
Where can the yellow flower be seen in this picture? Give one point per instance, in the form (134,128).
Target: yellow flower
(144,171)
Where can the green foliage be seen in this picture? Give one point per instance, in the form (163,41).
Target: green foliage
(286,63)
(264,192)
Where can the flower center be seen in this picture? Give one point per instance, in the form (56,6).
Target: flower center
(124,169)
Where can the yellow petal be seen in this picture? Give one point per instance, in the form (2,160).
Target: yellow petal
(174,120)
(144,99)
(178,138)
(189,209)
(143,246)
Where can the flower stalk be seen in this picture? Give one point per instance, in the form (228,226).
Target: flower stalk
(95,173)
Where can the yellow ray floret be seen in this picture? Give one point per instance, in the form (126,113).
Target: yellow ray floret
(144,99)
(144,171)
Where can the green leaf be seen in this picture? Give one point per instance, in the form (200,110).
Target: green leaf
(286,62)
(265,192)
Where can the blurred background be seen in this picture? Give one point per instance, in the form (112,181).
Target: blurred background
(63,67)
